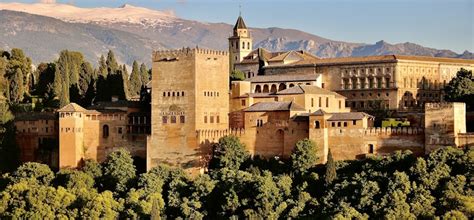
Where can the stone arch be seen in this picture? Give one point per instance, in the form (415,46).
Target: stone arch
(273,88)
(282,86)
(258,89)
(266,89)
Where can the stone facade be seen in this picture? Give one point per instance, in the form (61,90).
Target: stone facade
(189,92)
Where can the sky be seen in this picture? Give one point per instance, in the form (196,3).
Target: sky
(440,24)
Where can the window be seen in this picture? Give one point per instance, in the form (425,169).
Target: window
(339,124)
(119,130)
(345,124)
(354,122)
(218,120)
(164,119)
(172,94)
(316,124)
(379,83)
(205,119)
(340,104)
(173,119)
(312,102)
(204,93)
(333,124)
(182,93)
(387,82)
(320,102)
(105,131)
(182,119)
(243,102)
(212,119)
(169,94)
(327,102)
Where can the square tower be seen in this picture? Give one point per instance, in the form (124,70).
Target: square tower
(190,92)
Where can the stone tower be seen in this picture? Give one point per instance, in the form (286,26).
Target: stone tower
(71,135)
(240,43)
(189,93)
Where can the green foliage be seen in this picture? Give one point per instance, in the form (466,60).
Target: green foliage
(119,171)
(102,66)
(330,169)
(303,156)
(135,80)
(16,87)
(145,74)
(237,75)
(229,153)
(461,88)
(111,62)
(399,186)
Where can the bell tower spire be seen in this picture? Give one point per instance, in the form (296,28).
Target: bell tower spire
(240,43)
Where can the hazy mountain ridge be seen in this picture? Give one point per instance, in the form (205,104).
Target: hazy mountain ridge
(134,37)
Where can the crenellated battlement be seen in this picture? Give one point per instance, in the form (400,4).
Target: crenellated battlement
(160,54)
(441,105)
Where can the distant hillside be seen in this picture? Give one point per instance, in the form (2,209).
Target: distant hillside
(133,32)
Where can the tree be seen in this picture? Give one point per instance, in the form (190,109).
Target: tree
(64,98)
(330,169)
(461,88)
(102,66)
(16,87)
(92,168)
(33,172)
(119,171)
(58,82)
(155,210)
(303,156)
(145,74)
(237,75)
(135,80)
(229,152)
(112,65)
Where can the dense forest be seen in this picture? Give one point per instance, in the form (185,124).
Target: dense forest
(399,186)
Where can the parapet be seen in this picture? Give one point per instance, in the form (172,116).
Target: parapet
(394,131)
(159,54)
(443,105)
(215,133)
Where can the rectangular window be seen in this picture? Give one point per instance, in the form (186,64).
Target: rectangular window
(173,119)
(320,102)
(354,122)
(345,124)
(218,120)
(340,104)
(182,119)
(164,119)
(205,119)
(312,102)
(327,102)
(387,82)
(243,102)
(212,119)
(334,124)
(119,130)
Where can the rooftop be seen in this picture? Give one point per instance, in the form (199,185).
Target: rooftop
(308,89)
(240,24)
(282,78)
(72,107)
(274,106)
(36,116)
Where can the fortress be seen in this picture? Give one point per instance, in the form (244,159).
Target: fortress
(286,96)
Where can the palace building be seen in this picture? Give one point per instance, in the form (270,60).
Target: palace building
(286,97)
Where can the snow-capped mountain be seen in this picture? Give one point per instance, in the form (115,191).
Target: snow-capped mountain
(42,30)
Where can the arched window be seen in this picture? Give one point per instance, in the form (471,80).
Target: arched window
(317,125)
(105,131)
(292,85)
(248,45)
(258,89)
(265,89)
(282,86)
(182,93)
(164,94)
(169,94)
(273,88)
(243,45)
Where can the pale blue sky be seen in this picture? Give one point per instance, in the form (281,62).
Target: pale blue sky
(447,24)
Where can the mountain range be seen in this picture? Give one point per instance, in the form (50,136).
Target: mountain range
(42,30)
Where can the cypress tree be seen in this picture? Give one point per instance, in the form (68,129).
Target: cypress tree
(124,74)
(102,66)
(58,82)
(145,75)
(16,87)
(330,169)
(135,80)
(111,62)
(64,98)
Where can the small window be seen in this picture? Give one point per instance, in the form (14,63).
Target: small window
(182,119)
(339,124)
(182,93)
(243,102)
(327,102)
(218,120)
(205,119)
(354,122)
(173,119)
(164,119)
(333,124)
(105,131)
(119,130)
(312,102)
(316,124)
(204,93)
(164,94)
(212,119)
(345,124)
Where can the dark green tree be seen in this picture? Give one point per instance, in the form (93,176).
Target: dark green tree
(303,156)
(330,169)
(102,66)
(145,74)
(112,65)
(16,87)
(229,153)
(135,80)
(461,88)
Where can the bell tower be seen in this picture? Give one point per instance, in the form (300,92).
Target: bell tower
(240,43)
